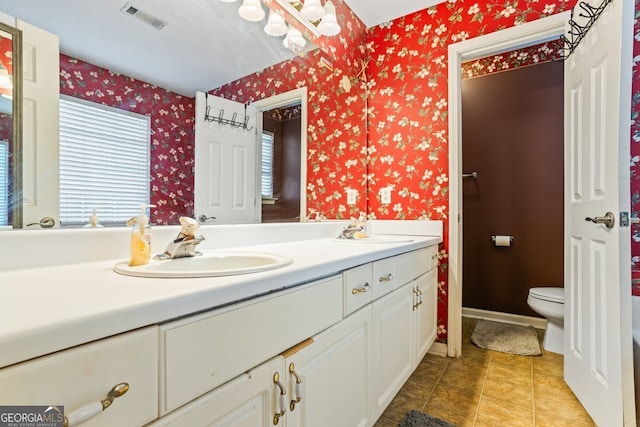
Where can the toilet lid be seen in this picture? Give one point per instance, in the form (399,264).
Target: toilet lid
(548,294)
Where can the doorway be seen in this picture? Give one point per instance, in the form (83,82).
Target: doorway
(280,163)
(293,152)
(513,163)
(528,34)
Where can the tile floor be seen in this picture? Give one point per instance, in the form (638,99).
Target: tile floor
(485,388)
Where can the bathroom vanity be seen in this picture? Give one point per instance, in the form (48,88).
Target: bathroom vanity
(326,340)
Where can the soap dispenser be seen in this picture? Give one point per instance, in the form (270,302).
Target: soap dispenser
(141,238)
(362,228)
(94,221)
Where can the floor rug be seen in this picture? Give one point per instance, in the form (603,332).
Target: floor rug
(420,419)
(507,338)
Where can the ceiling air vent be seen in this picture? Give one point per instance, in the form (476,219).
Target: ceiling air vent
(145,17)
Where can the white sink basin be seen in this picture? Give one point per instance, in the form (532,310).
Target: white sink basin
(209,264)
(379,238)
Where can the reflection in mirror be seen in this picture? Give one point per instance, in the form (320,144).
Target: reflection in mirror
(281,141)
(334,155)
(10,127)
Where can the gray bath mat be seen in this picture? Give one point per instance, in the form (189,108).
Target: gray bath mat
(507,338)
(420,419)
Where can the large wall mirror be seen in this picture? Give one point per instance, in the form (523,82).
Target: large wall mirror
(10,127)
(337,95)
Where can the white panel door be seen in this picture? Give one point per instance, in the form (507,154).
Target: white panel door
(225,163)
(40,138)
(598,352)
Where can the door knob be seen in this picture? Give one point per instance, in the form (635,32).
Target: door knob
(46,222)
(609,220)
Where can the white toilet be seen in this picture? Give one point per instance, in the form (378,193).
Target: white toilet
(549,302)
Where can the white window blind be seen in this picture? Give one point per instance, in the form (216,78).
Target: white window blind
(267,164)
(104,162)
(4,183)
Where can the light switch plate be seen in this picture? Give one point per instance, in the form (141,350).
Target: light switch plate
(385,195)
(352,196)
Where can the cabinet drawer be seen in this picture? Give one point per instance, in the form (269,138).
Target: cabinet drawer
(384,277)
(358,289)
(413,264)
(201,352)
(83,375)
(247,400)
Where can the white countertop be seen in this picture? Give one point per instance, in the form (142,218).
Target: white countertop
(46,309)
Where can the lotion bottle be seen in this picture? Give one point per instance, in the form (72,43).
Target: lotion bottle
(141,238)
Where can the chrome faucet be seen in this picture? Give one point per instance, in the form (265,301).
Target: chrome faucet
(185,244)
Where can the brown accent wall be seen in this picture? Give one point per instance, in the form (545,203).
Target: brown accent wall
(512,127)
(286,171)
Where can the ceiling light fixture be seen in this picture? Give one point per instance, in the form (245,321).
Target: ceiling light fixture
(276,26)
(328,26)
(251,10)
(294,40)
(318,20)
(312,10)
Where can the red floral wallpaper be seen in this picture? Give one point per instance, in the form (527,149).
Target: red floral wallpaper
(532,55)
(408,107)
(172,129)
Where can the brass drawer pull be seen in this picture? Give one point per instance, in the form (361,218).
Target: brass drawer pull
(281,401)
(387,278)
(361,290)
(90,410)
(297,389)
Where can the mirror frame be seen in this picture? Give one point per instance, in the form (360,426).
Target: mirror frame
(15,200)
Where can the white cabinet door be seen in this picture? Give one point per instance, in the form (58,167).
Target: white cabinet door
(335,376)
(393,352)
(249,400)
(424,315)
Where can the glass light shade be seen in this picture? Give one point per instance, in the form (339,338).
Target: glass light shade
(294,40)
(276,26)
(312,10)
(329,24)
(251,10)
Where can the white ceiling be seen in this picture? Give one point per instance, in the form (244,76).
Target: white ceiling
(205,44)
(376,12)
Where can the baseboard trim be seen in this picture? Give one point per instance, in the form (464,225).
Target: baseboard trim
(516,319)
(438,349)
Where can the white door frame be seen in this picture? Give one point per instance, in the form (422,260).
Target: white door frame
(520,36)
(281,100)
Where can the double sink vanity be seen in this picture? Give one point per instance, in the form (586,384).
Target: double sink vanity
(325,335)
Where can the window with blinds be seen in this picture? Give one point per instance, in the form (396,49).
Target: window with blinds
(104,162)
(267,164)
(4,183)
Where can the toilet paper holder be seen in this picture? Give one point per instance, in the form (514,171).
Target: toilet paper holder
(493,239)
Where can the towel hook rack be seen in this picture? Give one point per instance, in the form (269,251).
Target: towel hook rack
(577,32)
(221,119)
